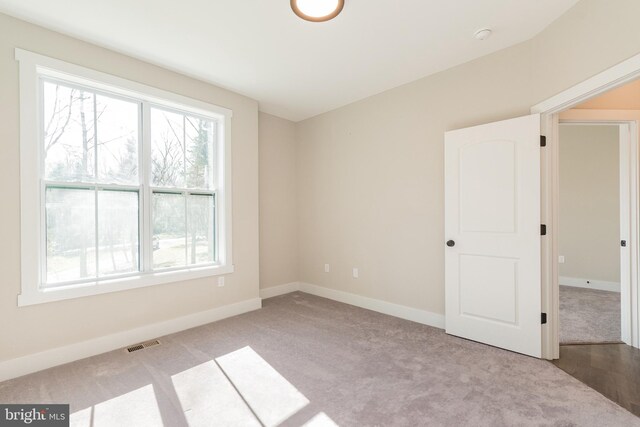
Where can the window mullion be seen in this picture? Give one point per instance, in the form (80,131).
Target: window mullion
(184,194)
(184,150)
(95,175)
(216,230)
(43,237)
(186,229)
(97,237)
(180,190)
(43,257)
(90,185)
(146,214)
(95,138)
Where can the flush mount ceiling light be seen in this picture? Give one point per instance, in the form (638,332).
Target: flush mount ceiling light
(317,10)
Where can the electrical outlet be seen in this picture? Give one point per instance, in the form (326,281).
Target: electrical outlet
(220,281)
(356,273)
(327,268)
(561,259)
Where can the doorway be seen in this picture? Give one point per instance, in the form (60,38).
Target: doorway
(511,167)
(502,216)
(610,98)
(564,105)
(593,230)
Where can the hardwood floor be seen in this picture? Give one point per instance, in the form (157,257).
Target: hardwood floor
(611,369)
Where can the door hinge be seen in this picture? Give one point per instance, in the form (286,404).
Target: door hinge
(543,318)
(543,229)
(543,141)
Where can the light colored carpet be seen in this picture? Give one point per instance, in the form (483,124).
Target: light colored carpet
(589,316)
(327,362)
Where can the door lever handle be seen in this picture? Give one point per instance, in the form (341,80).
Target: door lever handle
(451,243)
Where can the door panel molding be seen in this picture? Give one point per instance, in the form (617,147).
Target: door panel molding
(492,212)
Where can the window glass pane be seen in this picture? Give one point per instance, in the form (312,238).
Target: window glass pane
(199,152)
(118,234)
(200,223)
(71,250)
(169,230)
(69,134)
(117,140)
(167,148)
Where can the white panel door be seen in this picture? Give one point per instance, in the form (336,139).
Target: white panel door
(492,233)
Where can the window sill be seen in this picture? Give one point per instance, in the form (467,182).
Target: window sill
(121,284)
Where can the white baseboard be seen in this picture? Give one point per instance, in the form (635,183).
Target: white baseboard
(275,291)
(36,362)
(58,356)
(600,285)
(396,310)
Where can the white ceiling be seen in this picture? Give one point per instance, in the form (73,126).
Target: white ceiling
(297,69)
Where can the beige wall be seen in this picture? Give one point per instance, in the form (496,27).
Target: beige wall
(371,179)
(590,37)
(40,327)
(590,202)
(370,192)
(278,207)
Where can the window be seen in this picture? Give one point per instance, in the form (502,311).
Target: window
(122,185)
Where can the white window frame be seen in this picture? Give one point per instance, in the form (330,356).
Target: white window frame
(33,67)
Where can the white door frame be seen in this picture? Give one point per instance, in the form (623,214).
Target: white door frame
(628,185)
(615,76)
